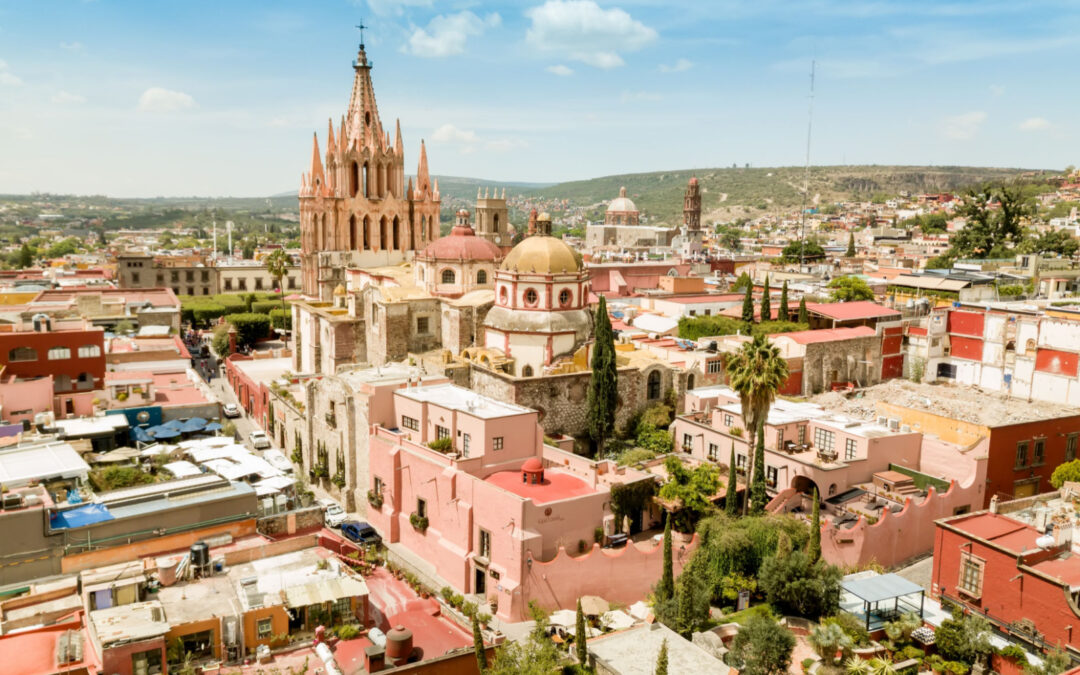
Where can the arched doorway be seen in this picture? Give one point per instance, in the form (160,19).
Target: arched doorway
(384,236)
(397,234)
(352,232)
(804,485)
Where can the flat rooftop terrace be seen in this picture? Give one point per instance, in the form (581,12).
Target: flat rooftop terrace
(463,400)
(555,487)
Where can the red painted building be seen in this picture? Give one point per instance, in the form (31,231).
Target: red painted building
(1003,567)
(74,357)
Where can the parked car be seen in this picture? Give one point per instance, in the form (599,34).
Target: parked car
(230,410)
(278,460)
(259,440)
(333,514)
(360,532)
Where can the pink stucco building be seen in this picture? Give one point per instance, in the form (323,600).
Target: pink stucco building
(497,507)
(871,476)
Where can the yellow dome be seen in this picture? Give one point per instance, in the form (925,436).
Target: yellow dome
(339,291)
(543,255)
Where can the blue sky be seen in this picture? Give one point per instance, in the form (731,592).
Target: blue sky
(138,98)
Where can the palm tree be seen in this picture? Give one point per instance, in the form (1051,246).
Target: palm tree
(856,666)
(276,265)
(756,372)
(829,640)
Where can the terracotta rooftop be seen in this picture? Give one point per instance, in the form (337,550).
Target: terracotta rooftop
(805,337)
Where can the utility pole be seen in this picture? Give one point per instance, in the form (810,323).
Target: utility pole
(806,175)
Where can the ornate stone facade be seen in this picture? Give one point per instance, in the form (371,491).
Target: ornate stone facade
(355,202)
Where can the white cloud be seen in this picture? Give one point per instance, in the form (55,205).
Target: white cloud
(448,133)
(67,98)
(7,77)
(997,90)
(395,7)
(160,100)
(585,32)
(963,127)
(560,70)
(678,67)
(446,35)
(1034,124)
(639,96)
(71,46)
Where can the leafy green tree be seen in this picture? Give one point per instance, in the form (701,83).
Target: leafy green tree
(756,372)
(748,305)
(580,637)
(803,316)
(761,647)
(796,586)
(248,250)
(536,655)
(766,302)
(1067,472)
(666,587)
(964,638)
(742,282)
(478,645)
(277,264)
(220,341)
(994,218)
(850,289)
(850,245)
(662,660)
(603,385)
(692,490)
(814,549)
(691,605)
(1054,662)
(1056,241)
(783,314)
(25,258)
(249,327)
(796,250)
(731,499)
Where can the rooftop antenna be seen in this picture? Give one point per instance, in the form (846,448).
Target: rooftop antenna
(806,174)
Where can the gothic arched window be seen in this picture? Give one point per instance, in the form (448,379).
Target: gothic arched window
(652,391)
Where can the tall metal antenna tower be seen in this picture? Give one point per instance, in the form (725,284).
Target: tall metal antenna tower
(806,173)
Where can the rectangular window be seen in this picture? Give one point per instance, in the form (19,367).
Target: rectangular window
(292,283)
(228,284)
(421,508)
(849,448)
(264,628)
(728,420)
(174,276)
(771,476)
(1021,454)
(422,325)
(205,290)
(1070,446)
(134,277)
(59,353)
(242,283)
(693,312)
(824,439)
(377,486)
(779,439)
(410,423)
(740,462)
(687,442)
(708,312)
(1040,452)
(971,574)
(485,544)
(441,432)
(189,276)
(465,438)
(258,283)
(714,451)
(497,443)
(205,275)
(715,367)
(802,434)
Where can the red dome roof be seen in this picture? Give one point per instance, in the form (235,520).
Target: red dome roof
(462,244)
(532,465)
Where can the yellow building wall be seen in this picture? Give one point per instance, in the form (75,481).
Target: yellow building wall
(947,429)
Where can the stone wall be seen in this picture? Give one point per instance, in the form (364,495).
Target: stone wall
(291,522)
(857,360)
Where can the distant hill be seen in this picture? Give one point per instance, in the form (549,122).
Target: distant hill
(733,192)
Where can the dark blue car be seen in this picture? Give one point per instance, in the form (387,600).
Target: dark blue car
(360,532)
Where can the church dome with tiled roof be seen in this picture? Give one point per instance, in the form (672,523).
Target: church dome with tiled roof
(461,244)
(543,254)
(622,204)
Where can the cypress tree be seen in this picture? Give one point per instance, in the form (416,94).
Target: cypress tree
(766,302)
(603,386)
(26,257)
(803,316)
(783,314)
(748,305)
(666,588)
(850,245)
(579,636)
(478,645)
(814,547)
(731,499)
(662,659)
(757,485)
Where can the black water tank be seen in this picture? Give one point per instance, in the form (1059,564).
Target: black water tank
(200,554)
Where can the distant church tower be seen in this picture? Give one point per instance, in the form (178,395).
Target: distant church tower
(690,232)
(493,217)
(356,209)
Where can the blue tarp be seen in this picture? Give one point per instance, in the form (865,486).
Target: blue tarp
(140,435)
(81,517)
(192,425)
(213,426)
(173,424)
(162,432)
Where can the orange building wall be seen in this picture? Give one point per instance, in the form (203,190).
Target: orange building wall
(279,619)
(213,624)
(150,547)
